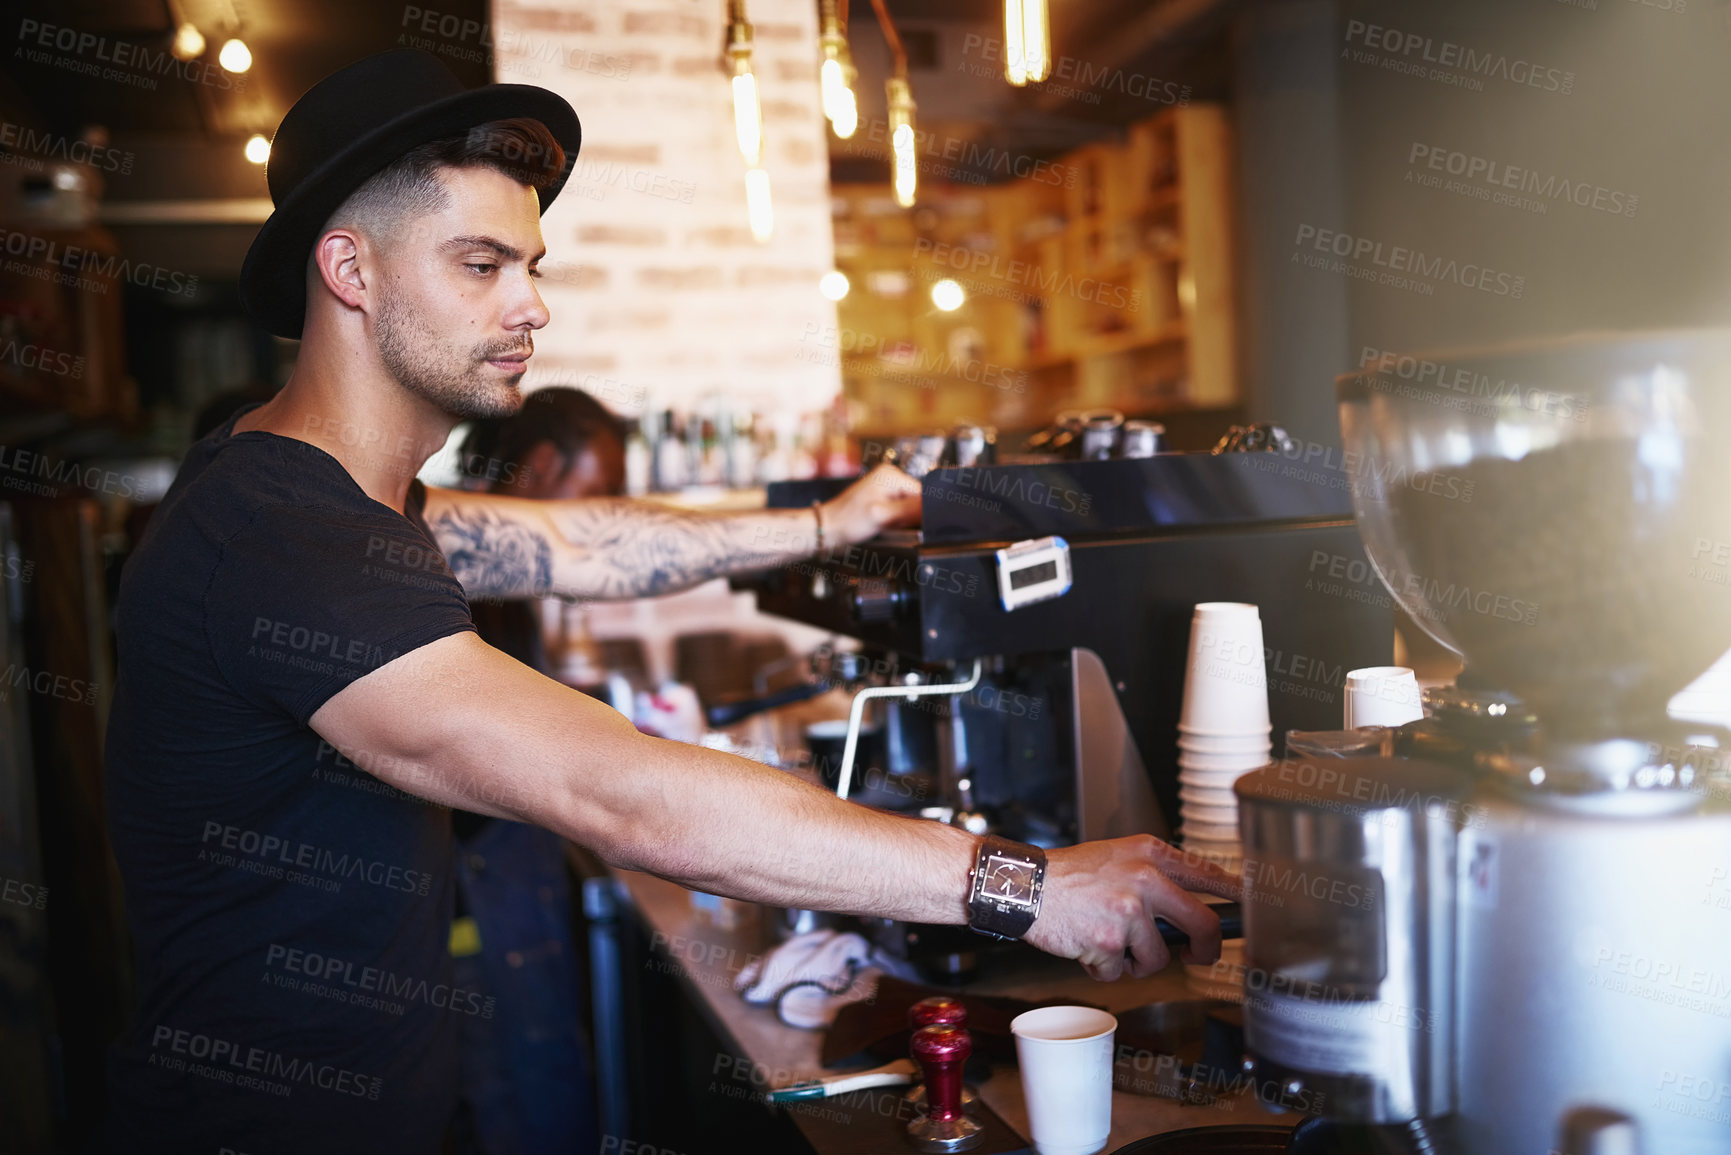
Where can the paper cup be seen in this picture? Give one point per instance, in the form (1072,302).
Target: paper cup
(1185,731)
(1216,780)
(1224,763)
(1215,847)
(1382,696)
(1225,682)
(1216,613)
(1205,796)
(1224,743)
(1065,1054)
(1192,813)
(1221,832)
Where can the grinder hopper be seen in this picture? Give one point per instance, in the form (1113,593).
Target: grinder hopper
(1555,512)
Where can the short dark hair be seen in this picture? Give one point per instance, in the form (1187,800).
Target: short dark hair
(520,148)
(569,418)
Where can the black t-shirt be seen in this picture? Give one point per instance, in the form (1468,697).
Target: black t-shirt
(290,912)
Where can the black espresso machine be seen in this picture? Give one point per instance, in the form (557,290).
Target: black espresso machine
(1072,584)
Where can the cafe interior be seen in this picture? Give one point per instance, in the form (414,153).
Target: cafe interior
(1321,411)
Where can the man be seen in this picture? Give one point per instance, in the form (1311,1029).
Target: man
(290,907)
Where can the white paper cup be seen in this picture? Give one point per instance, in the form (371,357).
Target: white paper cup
(1216,613)
(1065,1054)
(1227,846)
(1382,696)
(1210,780)
(1224,763)
(1224,743)
(1185,731)
(1212,832)
(1225,682)
(1205,795)
(1191,813)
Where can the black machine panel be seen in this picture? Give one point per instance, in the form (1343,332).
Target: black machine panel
(1148,539)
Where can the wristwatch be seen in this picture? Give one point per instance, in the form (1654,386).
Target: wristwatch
(1004,887)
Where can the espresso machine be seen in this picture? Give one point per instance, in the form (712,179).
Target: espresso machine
(1506,939)
(1048,603)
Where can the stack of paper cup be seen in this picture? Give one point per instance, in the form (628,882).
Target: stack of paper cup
(1223,728)
(1382,696)
(1223,734)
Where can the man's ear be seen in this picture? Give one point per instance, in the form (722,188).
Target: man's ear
(337,263)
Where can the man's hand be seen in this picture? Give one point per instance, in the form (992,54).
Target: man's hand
(883,498)
(1102,897)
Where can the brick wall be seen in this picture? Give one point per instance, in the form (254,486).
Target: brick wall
(659,294)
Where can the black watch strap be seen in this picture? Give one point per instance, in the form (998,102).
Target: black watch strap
(1004,887)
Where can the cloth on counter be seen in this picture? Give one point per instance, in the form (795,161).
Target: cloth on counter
(812,976)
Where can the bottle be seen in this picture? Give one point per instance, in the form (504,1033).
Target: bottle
(639,461)
(669,455)
(742,454)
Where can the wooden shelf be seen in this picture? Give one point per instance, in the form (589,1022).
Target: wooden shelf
(1112,345)
(1142,238)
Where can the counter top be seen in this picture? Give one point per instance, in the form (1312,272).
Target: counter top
(707,957)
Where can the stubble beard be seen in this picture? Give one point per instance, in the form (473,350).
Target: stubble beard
(456,381)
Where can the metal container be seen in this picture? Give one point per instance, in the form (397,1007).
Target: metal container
(1100,434)
(1349,868)
(1141,439)
(1595,974)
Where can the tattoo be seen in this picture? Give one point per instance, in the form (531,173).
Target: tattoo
(633,550)
(494,555)
(607,547)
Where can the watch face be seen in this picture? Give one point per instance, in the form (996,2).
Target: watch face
(1008,879)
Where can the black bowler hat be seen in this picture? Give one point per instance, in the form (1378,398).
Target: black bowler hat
(349,126)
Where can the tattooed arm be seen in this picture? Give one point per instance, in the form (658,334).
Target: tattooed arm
(618,548)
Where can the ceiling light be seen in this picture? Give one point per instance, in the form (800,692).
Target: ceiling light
(235,56)
(947,295)
(837,73)
(833,284)
(901,124)
(747,115)
(257,149)
(757,206)
(188,42)
(1027,41)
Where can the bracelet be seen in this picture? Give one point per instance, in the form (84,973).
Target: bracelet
(817,512)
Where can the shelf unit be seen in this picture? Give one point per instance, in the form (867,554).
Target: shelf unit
(1103,280)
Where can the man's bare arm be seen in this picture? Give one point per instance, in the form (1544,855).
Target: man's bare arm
(462,724)
(502,546)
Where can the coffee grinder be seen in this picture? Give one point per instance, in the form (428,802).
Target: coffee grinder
(1507,940)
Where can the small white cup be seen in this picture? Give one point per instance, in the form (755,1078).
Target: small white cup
(1226,679)
(1198,831)
(1382,696)
(1217,780)
(1191,813)
(1065,1054)
(1205,795)
(1224,743)
(1237,763)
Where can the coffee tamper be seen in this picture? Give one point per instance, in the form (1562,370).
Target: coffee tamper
(937,1011)
(941,1051)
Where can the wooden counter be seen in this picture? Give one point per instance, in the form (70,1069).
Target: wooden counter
(707,958)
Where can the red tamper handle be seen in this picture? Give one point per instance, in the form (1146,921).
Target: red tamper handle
(937,1011)
(941,1050)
